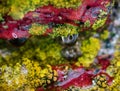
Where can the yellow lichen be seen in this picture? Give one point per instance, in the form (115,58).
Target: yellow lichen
(104,35)
(115,72)
(37,29)
(64,30)
(99,23)
(89,50)
(66,3)
(27,74)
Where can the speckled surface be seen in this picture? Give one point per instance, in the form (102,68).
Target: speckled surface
(70,63)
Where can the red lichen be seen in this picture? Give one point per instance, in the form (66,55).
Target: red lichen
(40,89)
(104,63)
(83,80)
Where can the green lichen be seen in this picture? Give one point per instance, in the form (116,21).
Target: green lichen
(37,29)
(99,23)
(64,30)
(87,23)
